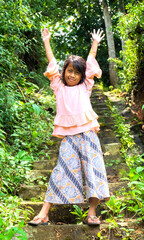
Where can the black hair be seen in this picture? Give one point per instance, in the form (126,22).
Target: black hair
(78,63)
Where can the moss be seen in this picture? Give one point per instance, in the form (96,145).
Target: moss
(53,209)
(84,228)
(89,237)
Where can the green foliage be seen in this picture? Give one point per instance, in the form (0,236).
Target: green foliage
(131,28)
(122,130)
(26,111)
(115,206)
(80,214)
(135,196)
(13,168)
(34,129)
(16,232)
(136,176)
(71,31)
(20,119)
(29,128)
(127,233)
(11,216)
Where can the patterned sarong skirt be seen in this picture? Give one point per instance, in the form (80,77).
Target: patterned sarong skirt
(66,183)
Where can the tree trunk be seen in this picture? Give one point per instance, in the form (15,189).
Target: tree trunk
(121,8)
(110,41)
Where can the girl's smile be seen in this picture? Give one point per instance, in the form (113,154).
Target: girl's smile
(72,76)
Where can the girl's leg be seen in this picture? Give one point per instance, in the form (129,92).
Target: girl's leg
(65,184)
(91,218)
(93,205)
(95,174)
(42,217)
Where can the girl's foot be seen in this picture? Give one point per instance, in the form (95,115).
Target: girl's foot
(93,220)
(39,220)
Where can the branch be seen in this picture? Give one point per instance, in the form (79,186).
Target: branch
(21,91)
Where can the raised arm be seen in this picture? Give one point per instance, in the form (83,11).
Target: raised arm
(46,40)
(97,37)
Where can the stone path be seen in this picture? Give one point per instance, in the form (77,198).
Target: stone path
(64,225)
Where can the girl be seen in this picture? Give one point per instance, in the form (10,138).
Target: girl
(76,123)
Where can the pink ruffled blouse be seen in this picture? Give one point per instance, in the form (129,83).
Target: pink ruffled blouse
(74,110)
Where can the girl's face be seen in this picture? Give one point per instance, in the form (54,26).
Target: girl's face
(72,76)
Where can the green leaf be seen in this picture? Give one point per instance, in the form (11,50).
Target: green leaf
(35,134)
(36,108)
(139,169)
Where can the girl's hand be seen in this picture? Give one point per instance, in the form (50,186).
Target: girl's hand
(46,34)
(97,36)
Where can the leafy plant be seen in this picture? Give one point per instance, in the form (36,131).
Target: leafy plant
(16,232)
(127,233)
(80,214)
(130,28)
(12,217)
(13,168)
(115,206)
(135,198)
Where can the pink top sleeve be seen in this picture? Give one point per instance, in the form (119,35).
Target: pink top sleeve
(52,73)
(92,69)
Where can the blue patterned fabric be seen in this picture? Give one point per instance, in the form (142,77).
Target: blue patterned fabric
(76,152)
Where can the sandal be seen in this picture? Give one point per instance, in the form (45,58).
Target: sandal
(95,220)
(41,222)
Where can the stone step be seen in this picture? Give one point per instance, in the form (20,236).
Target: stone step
(105,137)
(62,212)
(114,167)
(53,157)
(61,232)
(107,140)
(96,102)
(112,148)
(107,154)
(108,157)
(104,126)
(102,113)
(59,212)
(82,232)
(102,108)
(64,232)
(107,133)
(45,164)
(54,147)
(99,97)
(38,176)
(28,192)
(116,170)
(110,152)
(49,164)
(99,110)
(106,119)
(107,125)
